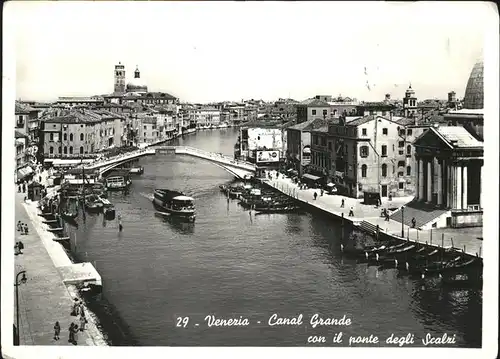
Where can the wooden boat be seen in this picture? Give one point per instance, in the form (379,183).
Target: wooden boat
(93,204)
(367,255)
(276,209)
(391,256)
(137,170)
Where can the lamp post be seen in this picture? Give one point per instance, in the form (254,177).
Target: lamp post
(16,284)
(403,222)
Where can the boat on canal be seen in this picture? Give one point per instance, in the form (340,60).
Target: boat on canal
(93,204)
(137,170)
(174,203)
(462,281)
(69,211)
(118,180)
(109,208)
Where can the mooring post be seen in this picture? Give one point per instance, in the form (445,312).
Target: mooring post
(442,240)
(452,244)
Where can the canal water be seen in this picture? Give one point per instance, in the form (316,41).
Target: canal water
(230,264)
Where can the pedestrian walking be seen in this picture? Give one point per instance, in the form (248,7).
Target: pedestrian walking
(19,226)
(342,203)
(315,195)
(25,229)
(74,309)
(75,334)
(351,212)
(20,246)
(57,331)
(81,309)
(83,321)
(321,193)
(19,189)
(413,222)
(386,213)
(16,248)
(71,333)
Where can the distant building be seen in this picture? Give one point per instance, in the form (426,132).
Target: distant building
(136,85)
(119,84)
(312,109)
(27,120)
(298,152)
(207,118)
(21,157)
(81,133)
(383,109)
(409,103)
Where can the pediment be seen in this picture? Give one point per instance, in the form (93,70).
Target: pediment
(431,139)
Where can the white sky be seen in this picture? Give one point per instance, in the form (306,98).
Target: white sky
(206,51)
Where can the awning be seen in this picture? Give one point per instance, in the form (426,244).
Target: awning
(331,184)
(306,150)
(311,177)
(23,172)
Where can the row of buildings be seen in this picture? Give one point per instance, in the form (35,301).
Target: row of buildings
(379,147)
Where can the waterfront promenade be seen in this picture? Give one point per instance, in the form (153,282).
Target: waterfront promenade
(448,237)
(44,298)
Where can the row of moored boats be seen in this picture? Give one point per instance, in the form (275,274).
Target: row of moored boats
(453,267)
(261,200)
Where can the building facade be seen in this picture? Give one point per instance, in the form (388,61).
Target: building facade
(81,133)
(312,109)
(27,121)
(449,174)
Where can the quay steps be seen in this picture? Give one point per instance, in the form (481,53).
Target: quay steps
(422,213)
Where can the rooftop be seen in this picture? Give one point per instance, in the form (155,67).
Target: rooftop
(312,102)
(309,125)
(83,116)
(457,136)
(22,108)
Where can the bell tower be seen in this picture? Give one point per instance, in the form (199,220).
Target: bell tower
(410,103)
(119,78)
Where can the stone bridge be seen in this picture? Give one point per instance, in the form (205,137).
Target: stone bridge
(239,169)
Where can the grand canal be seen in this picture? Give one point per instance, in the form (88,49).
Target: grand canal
(231,264)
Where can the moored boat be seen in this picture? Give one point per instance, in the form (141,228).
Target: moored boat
(93,204)
(173,202)
(137,170)
(118,180)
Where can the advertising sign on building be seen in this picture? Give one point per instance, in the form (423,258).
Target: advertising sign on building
(268,156)
(265,139)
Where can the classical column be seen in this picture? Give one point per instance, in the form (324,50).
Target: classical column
(458,192)
(420,179)
(429,181)
(464,187)
(439,183)
(481,203)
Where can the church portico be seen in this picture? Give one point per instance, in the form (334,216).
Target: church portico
(449,170)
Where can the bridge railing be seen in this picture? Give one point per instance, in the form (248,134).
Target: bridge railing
(216,157)
(118,158)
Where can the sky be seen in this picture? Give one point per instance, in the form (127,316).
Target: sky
(217,51)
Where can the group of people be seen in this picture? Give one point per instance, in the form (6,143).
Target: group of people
(22,227)
(78,310)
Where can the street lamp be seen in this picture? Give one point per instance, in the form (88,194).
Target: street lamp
(403,222)
(16,284)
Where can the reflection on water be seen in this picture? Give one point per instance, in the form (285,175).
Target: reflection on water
(230,262)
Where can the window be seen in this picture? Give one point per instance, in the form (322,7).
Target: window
(401,144)
(401,163)
(65,150)
(59,150)
(402,132)
(330,146)
(71,150)
(409,132)
(401,185)
(323,141)
(51,137)
(65,137)
(408,150)
(315,139)
(81,150)
(363,171)
(363,131)
(145,127)
(325,112)
(384,151)
(313,112)
(408,171)
(384,170)
(71,137)
(81,136)
(144,134)
(364,151)
(400,174)
(384,131)
(51,150)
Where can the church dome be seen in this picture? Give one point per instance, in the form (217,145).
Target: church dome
(136,84)
(474,92)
